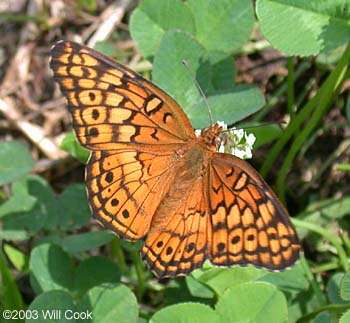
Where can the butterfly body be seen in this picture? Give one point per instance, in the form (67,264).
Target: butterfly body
(149,176)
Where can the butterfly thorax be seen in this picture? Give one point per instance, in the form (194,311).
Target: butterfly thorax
(193,160)
(210,136)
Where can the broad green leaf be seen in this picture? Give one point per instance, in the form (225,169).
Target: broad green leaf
(186,290)
(20,200)
(73,207)
(110,303)
(298,27)
(95,271)
(336,208)
(292,280)
(223,71)
(229,107)
(345,287)
(345,318)
(321,211)
(197,288)
(222,25)
(50,268)
(71,145)
(221,279)
(264,133)
(173,77)
(333,289)
(15,161)
(152,18)
(22,224)
(252,302)
(186,313)
(52,306)
(107,48)
(85,241)
(302,302)
(323,317)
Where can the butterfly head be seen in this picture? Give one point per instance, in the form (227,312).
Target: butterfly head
(210,136)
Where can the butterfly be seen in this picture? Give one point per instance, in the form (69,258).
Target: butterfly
(150,177)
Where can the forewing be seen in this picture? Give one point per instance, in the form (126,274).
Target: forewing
(113,107)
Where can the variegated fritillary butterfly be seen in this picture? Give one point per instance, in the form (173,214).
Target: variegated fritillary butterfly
(150,177)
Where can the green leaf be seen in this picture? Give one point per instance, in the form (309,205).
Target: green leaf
(11,296)
(223,71)
(20,200)
(110,303)
(335,208)
(186,313)
(298,27)
(90,5)
(197,288)
(321,211)
(15,161)
(173,77)
(52,306)
(324,317)
(345,318)
(222,25)
(333,289)
(95,271)
(229,107)
(71,145)
(152,18)
(345,287)
(20,225)
(85,241)
(74,209)
(50,268)
(17,257)
(264,133)
(252,302)
(292,280)
(219,279)
(107,48)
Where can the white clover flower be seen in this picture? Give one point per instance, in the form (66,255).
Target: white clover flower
(236,142)
(197,132)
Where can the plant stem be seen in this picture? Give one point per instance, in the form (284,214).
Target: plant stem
(327,235)
(117,252)
(139,273)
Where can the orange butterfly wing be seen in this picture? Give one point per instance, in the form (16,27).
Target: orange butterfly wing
(149,175)
(132,128)
(249,224)
(125,188)
(177,242)
(229,216)
(113,107)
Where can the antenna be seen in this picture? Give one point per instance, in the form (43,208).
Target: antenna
(279,122)
(190,71)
